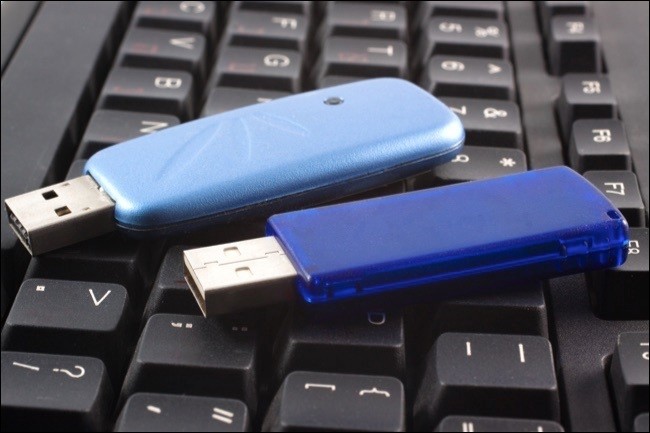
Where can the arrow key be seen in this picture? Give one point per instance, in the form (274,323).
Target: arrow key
(71,318)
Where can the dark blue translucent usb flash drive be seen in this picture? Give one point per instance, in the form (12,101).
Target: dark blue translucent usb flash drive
(538,224)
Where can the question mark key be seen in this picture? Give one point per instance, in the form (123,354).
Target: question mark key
(54,390)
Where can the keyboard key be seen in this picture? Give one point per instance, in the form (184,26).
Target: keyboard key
(475,163)
(487,374)
(641,423)
(463,37)
(361,57)
(261,68)
(365,19)
(169,293)
(294,7)
(185,354)
(622,293)
(72,318)
(629,376)
(309,401)
(108,127)
(266,30)
(574,45)
(599,144)
(350,342)
(488,122)
(550,9)
(164,49)
(112,258)
(486,424)
(469,77)
(44,392)
(191,16)
(622,189)
(229,98)
(464,9)
(149,90)
(521,312)
(585,96)
(163,412)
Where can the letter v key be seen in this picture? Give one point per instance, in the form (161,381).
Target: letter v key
(95,301)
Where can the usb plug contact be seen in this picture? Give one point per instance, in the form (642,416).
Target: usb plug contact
(61,214)
(231,277)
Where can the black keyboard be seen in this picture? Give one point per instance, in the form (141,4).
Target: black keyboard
(105,335)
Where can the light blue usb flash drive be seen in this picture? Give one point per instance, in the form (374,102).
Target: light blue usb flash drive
(251,162)
(290,152)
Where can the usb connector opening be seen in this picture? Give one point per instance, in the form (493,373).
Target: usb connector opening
(236,276)
(61,214)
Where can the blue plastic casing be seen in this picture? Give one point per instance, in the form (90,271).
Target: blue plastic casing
(276,156)
(542,223)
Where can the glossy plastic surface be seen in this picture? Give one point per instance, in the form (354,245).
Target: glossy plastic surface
(275,156)
(542,223)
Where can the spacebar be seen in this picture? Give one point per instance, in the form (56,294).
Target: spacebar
(48,92)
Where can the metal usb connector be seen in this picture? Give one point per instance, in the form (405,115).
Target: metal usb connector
(61,214)
(240,275)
